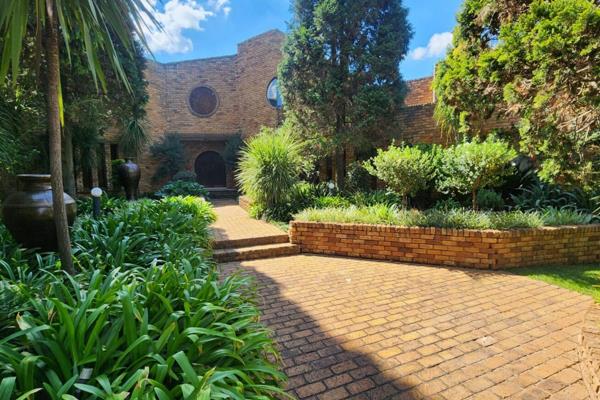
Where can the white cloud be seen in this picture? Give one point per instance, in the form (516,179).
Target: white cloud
(177,17)
(437,46)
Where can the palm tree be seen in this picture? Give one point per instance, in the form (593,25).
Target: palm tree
(90,22)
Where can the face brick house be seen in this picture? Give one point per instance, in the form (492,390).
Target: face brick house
(211,101)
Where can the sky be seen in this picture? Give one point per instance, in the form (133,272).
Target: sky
(209,28)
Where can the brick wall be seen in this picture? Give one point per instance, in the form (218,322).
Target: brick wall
(453,247)
(256,65)
(240,82)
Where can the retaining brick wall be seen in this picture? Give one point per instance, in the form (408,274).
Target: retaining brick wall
(487,249)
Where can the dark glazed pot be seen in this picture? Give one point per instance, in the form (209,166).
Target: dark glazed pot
(28,213)
(130,174)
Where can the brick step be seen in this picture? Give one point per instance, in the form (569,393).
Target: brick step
(248,242)
(255,252)
(216,193)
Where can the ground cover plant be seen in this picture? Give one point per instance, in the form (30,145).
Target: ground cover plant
(444,218)
(146,315)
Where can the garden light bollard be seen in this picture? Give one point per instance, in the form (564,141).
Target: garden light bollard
(96,194)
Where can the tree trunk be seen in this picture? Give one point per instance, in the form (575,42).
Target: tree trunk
(59,209)
(340,164)
(474,199)
(68,164)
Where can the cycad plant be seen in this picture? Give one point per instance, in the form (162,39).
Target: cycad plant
(92,23)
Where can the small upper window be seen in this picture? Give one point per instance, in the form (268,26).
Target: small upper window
(273,94)
(203,101)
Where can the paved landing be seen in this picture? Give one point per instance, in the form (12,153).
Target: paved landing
(350,328)
(233,223)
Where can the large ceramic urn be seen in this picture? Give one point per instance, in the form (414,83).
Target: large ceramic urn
(28,213)
(130,174)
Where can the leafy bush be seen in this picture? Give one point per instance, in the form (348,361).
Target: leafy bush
(540,196)
(358,178)
(447,204)
(376,197)
(451,218)
(169,153)
(405,170)
(331,201)
(108,204)
(146,317)
(188,176)
(489,200)
(182,188)
(270,168)
(471,166)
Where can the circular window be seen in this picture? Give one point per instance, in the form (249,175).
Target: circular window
(273,94)
(203,101)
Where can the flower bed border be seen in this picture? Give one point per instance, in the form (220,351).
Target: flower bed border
(482,249)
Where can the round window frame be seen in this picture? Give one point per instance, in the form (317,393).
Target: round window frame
(189,103)
(267,93)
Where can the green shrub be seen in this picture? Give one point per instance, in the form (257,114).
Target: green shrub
(376,197)
(170,155)
(188,176)
(182,188)
(405,170)
(270,168)
(358,178)
(470,166)
(331,201)
(108,204)
(447,204)
(489,200)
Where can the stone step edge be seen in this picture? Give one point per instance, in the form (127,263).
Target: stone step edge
(256,252)
(249,242)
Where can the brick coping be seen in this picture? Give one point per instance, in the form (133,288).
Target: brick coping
(589,351)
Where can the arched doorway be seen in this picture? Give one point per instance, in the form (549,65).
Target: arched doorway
(210,169)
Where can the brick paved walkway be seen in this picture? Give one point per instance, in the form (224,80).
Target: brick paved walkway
(233,223)
(350,328)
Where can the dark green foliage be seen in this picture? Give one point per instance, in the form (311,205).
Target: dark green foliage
(540,195)
(182,188)
(536,62)
(169,153)
(108,204)
(376,197)
(489,200)
(358,178)
(146,315)
(447,204)
(231,153)
(331,201)
(187,176)
(340,77)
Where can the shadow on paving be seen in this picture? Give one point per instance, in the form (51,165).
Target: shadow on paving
(317,365)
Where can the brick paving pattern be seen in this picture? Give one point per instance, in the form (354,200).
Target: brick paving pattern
(360,329)
(233,223)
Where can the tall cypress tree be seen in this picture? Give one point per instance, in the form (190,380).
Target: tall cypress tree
(340,76)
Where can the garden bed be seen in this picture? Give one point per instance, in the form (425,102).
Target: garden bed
(483,249)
